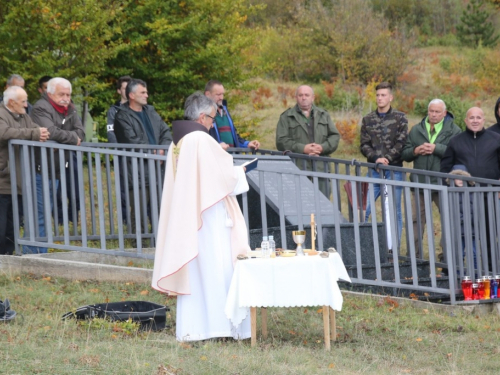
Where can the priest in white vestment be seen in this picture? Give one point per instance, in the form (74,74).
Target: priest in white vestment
(201,229)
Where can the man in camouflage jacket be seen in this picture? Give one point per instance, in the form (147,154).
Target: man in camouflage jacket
(383,136)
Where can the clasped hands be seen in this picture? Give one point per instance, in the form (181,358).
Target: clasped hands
(313,149)
(424,149)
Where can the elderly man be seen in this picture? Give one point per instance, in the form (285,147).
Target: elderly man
(479,151)
(224,130)
(14,124)
(425,146)
(201,216)
(138,123)
(383,136)
(17,80)
(55,112)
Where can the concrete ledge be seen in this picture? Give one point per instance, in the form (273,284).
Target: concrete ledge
(96,269)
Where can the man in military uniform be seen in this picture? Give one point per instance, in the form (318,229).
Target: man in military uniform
(383,136)
(307,129)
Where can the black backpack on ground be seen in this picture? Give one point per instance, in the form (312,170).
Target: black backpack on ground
(151,316)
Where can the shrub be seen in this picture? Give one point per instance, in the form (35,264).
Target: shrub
(333,96)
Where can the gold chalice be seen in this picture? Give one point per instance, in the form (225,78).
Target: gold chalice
(299,237)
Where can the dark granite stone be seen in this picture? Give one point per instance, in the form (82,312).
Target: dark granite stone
(296,210)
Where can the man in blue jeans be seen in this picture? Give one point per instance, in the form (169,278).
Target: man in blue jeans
(55,112)
(383,136)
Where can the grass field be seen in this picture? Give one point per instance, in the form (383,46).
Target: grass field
(375,336)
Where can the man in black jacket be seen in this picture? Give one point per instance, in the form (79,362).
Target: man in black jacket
(121,89)
(479,151)
(136,122)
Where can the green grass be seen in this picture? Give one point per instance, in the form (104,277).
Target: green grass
(375,336)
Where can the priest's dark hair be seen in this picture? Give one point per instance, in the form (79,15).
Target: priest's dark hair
(196,104)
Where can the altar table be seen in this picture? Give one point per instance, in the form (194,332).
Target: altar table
(286,282)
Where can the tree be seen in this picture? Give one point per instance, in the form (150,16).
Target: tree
(177,46)
(357,40)
(475,28)
(68,38)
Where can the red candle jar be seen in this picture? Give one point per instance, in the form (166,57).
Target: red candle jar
(475,291)
(467,288)
(480,288)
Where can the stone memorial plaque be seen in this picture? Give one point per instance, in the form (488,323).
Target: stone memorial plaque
(310,200)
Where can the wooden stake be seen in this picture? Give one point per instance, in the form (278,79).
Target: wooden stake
(263,312)
(253,325)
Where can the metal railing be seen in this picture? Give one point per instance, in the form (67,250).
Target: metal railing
(110,194)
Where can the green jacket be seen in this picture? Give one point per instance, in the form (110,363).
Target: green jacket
(418,135)
(292,135)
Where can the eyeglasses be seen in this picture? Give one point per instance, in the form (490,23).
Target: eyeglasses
(213,118)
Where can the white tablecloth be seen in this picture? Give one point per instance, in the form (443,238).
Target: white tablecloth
(285,282)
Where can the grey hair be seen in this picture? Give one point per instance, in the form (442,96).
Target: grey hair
(296,91)
(437,101)
(12,78)
(196,104)
(132,86)
(11,93)
(58,81)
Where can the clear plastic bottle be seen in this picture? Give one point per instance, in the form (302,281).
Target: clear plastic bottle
(264,246)
(272,247)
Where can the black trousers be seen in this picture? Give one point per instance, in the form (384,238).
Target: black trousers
(7,223)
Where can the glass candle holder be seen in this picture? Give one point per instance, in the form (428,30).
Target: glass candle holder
(467,288)
(493,287)
(475,291)
(486,286)
(480,288)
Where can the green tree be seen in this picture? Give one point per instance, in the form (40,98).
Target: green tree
(357,41)
(177,46)
(475,28)
(68,38)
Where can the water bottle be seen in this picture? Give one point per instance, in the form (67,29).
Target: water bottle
(272,247)
(264,246)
